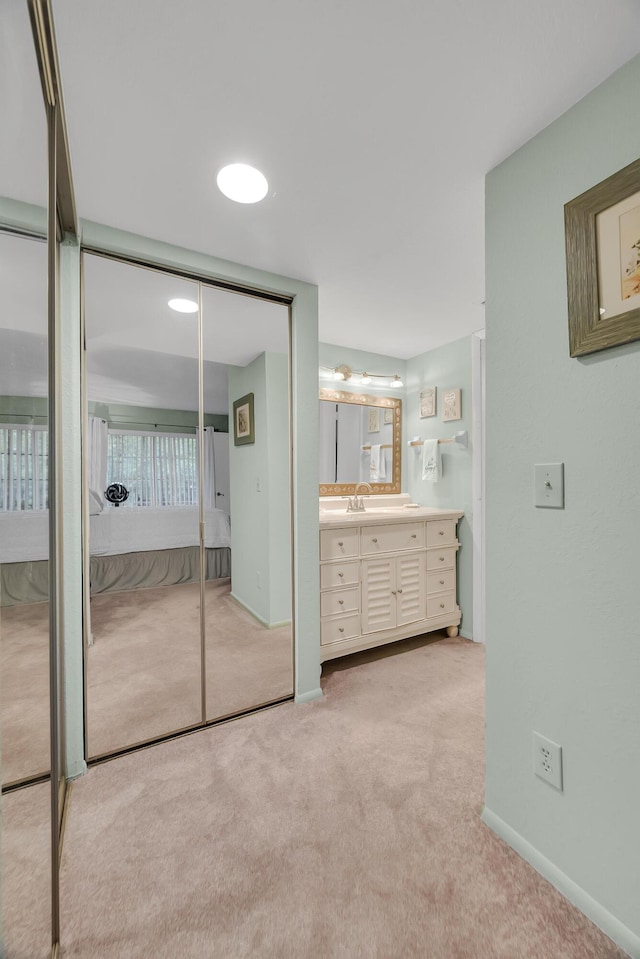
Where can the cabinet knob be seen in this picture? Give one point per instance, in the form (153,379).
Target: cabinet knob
(399,590)
(442,559)
(393,592)
(441,605)
(341,629)
(340,543)
(375,540)
(341,602)
(414,536)
(442,582)
(340,575)
(441,532)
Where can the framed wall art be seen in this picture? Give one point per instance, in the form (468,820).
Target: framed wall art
(602,240)
(243,421)
(427,401)
(373,421)
(451,405)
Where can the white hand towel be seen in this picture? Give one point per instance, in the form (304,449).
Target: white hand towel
(376,464)
(431,462)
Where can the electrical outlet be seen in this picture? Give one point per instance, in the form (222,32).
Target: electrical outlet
(547,760)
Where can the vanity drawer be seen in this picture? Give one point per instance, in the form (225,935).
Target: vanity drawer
(385,539)
(441,604)
(441,580)
(340,601)
(444,558)
(441,532)
(334,630)
(336,543)
(339,574)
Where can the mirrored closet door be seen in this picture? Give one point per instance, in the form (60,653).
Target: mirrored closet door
(142,634)
(24,514)
(187,521)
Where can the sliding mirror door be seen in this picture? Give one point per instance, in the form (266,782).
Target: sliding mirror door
(24,516)
(143,631)
(249,653)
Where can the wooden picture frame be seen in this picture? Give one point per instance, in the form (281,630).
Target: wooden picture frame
(243,421)
(603,263)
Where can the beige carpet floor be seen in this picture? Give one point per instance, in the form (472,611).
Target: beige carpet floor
(348,828)
(24,690)
(143,670)
(26,873)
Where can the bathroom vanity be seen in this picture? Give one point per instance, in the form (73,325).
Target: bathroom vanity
(386,573)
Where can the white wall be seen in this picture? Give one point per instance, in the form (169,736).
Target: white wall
(563,653)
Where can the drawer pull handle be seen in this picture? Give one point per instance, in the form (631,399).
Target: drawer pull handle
(341,629)
(441,583)
(341,602)
(442,559)
(441,605)
(441,532)
(414,536)
(393,592)
(341,575)
(340,543)
(399,590)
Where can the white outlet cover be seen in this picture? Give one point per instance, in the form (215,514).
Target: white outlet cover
(547,760)
(548,485)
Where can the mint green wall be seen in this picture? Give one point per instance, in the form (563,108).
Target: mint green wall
(279,477)
(447,367)
(147,418)
(260,504)
(24,409)
(563,656)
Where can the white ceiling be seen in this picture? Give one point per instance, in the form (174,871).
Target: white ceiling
(374,122)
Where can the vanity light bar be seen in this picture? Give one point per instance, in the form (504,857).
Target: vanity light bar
(344,372)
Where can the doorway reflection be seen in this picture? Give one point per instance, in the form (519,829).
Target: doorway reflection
(249,652)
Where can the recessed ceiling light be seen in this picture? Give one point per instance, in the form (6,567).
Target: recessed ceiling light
(242,183)
(184,306)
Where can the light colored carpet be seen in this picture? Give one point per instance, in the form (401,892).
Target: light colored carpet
(346,828)
(24,690)
(143,670)
(26,873)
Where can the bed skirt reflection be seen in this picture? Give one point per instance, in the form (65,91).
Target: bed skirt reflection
(28,582)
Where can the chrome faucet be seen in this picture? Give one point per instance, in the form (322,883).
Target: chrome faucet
(356,505)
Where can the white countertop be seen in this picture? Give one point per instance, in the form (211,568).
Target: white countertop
(378,516)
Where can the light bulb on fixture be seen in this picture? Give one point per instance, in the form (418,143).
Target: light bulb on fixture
(342,372)
(396,382)
(366,379)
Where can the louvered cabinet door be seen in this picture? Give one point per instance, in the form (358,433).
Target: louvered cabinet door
(410,589)
(378,594)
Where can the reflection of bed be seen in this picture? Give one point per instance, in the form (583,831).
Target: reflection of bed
(130,547)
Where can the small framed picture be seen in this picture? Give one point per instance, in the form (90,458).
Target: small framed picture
(427,401)
(451,405)
(374,421)
(243,421)
(388,417)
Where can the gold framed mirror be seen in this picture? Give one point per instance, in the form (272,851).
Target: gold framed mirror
(360,437)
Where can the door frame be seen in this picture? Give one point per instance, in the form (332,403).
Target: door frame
(478,435)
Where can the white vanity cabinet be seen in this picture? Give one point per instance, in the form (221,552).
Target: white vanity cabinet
(386,578)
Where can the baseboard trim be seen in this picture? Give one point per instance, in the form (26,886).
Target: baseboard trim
(601,917)
(256,616)
(466,635)
(310,696)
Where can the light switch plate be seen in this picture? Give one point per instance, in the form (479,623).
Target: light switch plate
(548,484)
